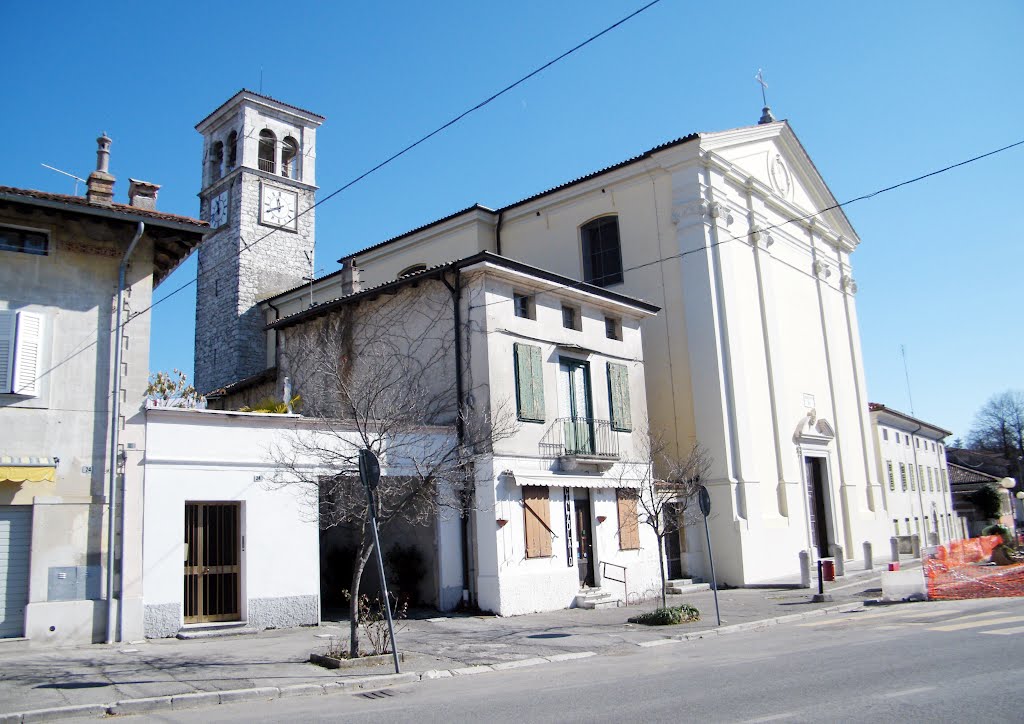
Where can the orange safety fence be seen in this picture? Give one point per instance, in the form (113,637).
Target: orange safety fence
(963,570)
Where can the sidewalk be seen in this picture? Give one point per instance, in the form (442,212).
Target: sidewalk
(44,678)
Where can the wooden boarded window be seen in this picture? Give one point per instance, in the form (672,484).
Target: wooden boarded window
(537,513)
(618,397)
(629,519)
(529,383)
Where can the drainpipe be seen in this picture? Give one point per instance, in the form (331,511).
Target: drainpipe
(497,235)
(920,483)
(114,439)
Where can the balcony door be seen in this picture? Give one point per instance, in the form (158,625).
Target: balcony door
(574,406)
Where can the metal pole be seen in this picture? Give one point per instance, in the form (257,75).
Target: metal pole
(714,581)
(383,583)
(821,582)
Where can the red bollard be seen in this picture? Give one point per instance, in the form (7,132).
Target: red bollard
(828,570)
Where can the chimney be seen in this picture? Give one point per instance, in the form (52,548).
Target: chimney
(101,183)
(350,276)
(142,194)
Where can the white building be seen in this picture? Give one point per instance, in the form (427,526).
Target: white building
(911,463)
(59,291)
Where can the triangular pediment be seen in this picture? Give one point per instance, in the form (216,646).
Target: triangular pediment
(772,154)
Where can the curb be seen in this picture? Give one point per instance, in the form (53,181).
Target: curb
(178,702)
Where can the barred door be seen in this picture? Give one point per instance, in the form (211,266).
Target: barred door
(212,562)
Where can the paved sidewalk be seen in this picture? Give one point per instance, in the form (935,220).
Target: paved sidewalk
(42,677)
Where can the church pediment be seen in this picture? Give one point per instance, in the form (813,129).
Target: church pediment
(813,429)
(772,155)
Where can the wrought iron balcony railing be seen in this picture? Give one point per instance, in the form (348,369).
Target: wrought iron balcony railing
(581,438)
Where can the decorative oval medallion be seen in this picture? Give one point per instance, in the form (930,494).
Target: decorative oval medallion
(780,176)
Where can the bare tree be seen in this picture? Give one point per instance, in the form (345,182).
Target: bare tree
(999,428)
(381,376)
(669,485)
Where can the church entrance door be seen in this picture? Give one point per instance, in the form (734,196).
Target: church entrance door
(817,505)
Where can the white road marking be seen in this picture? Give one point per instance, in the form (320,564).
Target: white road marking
(1005,631)
(977,624)
(773,717)
(905,692)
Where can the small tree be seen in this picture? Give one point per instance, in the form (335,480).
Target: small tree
(171,389)
(667,502)
(999,427)
(988,500)
(382,377)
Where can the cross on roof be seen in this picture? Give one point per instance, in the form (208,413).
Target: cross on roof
(764,85)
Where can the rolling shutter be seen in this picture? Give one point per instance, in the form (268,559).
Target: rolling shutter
(537,512)
(529,383)
(26,354)
(629,519)
(7,325)
(15,539)
(618,397)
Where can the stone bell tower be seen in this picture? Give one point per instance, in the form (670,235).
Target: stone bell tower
(258,189)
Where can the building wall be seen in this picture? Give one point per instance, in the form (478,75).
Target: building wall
(196,456)
(74,289)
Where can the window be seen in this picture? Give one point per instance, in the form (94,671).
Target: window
(933,447)
(267,151)
(414,269)
(524,305)
(537,519)
(897,437)
(917,442)
(920,476)
(232,149)
(618,397)
(892,480)
(911,471)
(931,481)
(906,439)
(290,157)
(529,383)
(629,519)
(570,317)
(602,258)
(20,345)
(885,434)
(612,328)
(945,482)
(26,242)
(903,476)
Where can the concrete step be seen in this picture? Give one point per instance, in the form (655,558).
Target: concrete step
(595,598)
(688,588)
(216,631)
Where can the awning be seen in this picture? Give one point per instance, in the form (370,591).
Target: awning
(27,469)
(570,481)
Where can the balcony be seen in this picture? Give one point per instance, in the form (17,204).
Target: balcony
(267,164)
(576,441)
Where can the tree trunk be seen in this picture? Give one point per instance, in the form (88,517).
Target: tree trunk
(661,569)
(362,556)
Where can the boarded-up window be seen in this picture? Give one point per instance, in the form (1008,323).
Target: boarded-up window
(618,397)
(537,512)
(629,520)
(529,383)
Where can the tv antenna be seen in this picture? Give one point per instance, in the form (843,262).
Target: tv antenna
(76,178)
(906,374)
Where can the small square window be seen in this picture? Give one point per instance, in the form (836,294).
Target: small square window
(897,437)
(612,328)
(524,305)
(570,317)
(26,242)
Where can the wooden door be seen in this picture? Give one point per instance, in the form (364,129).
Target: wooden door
(584,545)
(212,562)
(816,505)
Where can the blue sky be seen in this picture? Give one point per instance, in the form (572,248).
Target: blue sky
(878,92)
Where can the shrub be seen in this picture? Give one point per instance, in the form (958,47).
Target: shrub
(668,616)
(1000,530)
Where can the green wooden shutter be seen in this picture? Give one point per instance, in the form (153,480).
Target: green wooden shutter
(618,396)
(529,383)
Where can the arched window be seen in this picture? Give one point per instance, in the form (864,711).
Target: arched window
(216,160)
(414,269)
(268,151)
(290,157)
(232,149)
(602,254)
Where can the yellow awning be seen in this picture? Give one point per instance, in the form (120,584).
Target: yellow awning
(28,469)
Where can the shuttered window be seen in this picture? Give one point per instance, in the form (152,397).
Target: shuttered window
(537,515)
(618,397)
(629,519)
(20,343)
(529,383)
(892,480)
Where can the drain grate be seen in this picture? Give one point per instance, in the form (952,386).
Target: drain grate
(378,694)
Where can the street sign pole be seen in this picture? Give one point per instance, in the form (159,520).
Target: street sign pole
(704,498)
(369,473)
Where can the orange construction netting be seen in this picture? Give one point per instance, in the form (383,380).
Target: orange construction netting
(962,570)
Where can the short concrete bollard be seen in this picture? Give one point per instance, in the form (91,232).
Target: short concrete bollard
(916,542)
(805,569)
(894,545)
(840,559)
(869,561)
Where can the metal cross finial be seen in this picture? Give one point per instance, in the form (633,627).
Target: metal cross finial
(764,85)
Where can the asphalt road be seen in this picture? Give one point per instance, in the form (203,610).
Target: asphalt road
(940,661)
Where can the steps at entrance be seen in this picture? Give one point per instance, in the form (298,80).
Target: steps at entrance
(239,628)
(681,586)
(595,598)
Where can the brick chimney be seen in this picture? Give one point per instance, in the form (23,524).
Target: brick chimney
(142,194)
(100,183)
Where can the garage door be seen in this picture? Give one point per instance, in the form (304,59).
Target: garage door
(15,537)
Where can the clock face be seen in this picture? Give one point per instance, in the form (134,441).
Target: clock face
(219,210)
(278,207)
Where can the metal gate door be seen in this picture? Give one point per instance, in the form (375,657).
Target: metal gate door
(15,540)
(212,562)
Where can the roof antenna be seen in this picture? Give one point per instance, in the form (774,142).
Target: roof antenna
(766,112)
(906,374)
(312,273)
(261,80)
(76,178)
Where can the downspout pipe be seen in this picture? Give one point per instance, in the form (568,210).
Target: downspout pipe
(115,413)
(497,234)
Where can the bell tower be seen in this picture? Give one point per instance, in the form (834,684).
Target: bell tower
(258,190)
